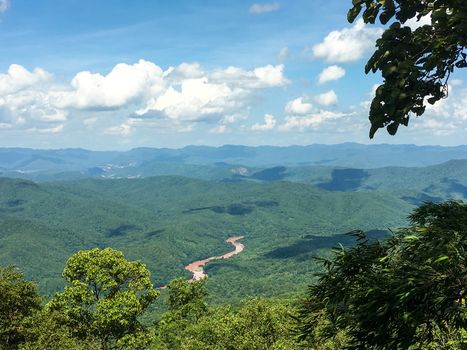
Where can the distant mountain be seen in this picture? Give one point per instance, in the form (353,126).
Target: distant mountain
(213,162)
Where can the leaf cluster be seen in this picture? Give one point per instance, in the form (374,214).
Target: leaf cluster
(408,291)
(415,64)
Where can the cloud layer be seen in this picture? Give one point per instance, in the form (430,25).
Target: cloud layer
(348,44)
(331,73)
(143,91)
(264,7)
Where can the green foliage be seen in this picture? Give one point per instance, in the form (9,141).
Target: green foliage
(415,64)
(186,306)
(18,300)
(187,298)
(406,292)
(164,230)
(258,324)
(104,297)
(47,330)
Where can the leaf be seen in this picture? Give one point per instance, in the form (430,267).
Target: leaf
(392,128)
(353,13)
(440,259)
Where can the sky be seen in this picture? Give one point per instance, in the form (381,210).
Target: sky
(122,74)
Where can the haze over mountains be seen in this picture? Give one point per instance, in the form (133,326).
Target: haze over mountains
(169,207)
(214,161)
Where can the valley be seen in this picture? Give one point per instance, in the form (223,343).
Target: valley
(285,214)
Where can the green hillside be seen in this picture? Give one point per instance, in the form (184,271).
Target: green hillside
(168,222)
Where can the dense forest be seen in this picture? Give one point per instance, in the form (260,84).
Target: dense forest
(406,291)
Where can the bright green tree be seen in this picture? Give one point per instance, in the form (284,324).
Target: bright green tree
(46,330)
(186,305)
(407,292)
(18,300)
(259,324)
(105,296)
(415,64)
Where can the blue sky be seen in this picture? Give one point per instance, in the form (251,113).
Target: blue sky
(120,74)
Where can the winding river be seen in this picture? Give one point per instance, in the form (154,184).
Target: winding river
(196,268)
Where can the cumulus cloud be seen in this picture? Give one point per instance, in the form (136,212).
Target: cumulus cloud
(4,5)
(195,98)
(19,78)
(453,108)
(348,44)
(331,73)
(313,120)
(258,78)
(123,85)
(24,98)
(269,123)
(327,98)
(264,7)
(184,71)
(215,94)
(179,97)
(298,106)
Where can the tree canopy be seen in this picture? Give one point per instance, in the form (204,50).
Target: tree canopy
(415,64)
(105,297)
(408,291)
(18,300)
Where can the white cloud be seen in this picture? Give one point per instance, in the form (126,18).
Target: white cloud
(4,5)
(310,121)
(52,130)
(150,97)
(269,76)
(264,7)
(269,123)
(452,108)
(327,98)
(19,78)
(219,129)
(258,78)
(298,106)
(283,55)
(30,106)
(184,71)
(331,73)
(233,118)
(348,44)
(125,84)
(195,99)
(213,95)
(413,23)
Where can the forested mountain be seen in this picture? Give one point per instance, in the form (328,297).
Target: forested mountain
(213,162)
(168,222)
(287,212)
(58,203)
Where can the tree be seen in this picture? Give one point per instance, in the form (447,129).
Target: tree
(408,291)
(18,300)
(105,296)
(415,64)
(186,305)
